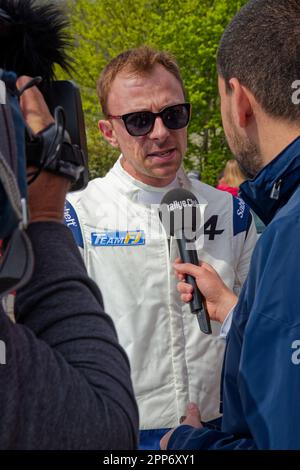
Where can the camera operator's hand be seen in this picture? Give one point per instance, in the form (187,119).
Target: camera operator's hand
(47,193)
(34,108)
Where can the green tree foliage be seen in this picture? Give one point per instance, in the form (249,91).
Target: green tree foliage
(190,29)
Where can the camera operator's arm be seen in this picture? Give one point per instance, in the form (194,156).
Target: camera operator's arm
(47,194)
(66,382)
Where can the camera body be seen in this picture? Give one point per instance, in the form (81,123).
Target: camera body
(65,93)
(33,39)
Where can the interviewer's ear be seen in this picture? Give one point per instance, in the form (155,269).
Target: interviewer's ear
(108,132)
(241,102)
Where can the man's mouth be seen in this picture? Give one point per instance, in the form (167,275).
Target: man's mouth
(163,154)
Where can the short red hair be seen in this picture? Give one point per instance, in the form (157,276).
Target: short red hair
(138,61)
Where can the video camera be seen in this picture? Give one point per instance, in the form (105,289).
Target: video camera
(33,40)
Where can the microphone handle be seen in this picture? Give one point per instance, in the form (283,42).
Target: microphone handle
(196,304)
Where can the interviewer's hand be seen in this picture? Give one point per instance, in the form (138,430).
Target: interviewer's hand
(219,299)
(48,192)
(192,418)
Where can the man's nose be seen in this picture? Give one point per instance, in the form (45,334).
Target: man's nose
(159,131)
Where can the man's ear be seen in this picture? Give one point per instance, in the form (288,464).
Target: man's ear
(108,132)
(242,105)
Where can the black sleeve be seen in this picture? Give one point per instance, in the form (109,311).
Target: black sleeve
(66,382)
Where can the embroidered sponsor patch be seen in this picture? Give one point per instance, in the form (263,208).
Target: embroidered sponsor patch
(118,238)
(71,220)
(241,216)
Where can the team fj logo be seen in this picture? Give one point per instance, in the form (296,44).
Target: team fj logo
(118,238)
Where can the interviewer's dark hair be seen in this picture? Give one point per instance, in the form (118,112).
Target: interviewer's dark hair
(261,48)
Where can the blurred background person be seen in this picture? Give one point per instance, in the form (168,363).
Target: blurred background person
(231,178)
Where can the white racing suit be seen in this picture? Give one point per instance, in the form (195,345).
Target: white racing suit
(127,253)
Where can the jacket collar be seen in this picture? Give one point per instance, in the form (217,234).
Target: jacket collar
(274,184)
(131,187)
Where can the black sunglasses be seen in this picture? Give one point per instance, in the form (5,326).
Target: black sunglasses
(142,122)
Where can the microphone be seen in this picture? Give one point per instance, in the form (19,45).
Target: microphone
(180,215)
(35,38)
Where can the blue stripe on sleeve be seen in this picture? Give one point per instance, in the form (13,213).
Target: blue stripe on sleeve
(71,221)
(241,216)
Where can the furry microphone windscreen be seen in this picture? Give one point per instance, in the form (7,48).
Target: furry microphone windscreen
(33,37)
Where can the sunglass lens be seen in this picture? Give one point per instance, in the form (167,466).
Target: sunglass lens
(176,117)
(140,123)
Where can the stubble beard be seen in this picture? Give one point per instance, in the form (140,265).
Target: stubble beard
(247,153)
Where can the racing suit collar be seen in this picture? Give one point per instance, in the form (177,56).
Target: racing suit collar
(274,184)
(131,186)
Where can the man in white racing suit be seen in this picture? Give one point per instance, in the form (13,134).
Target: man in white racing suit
(126,250)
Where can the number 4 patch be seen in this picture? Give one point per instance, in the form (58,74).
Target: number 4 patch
(210,227)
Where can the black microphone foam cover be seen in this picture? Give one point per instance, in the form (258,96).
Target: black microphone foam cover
(179,211)
(34,37)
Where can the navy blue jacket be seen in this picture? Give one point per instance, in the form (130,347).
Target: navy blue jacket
(261,371)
